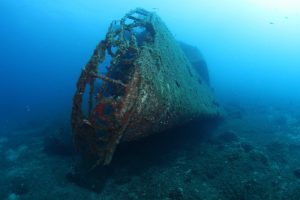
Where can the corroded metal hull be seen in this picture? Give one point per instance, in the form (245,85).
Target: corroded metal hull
(149,86)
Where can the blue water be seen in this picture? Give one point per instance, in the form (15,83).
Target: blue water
(251,48)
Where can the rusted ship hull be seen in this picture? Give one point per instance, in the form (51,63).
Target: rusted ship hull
(148,87)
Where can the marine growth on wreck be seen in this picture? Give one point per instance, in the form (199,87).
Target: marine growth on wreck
(137,82)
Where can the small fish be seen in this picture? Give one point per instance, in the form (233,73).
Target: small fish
(87,122)
(271,22)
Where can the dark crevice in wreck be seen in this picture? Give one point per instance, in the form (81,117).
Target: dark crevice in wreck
(136,157)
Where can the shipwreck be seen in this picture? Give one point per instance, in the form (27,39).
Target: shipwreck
(137,82)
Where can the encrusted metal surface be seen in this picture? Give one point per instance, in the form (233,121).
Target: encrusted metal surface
(148,86)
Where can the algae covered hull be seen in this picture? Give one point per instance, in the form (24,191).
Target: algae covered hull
(137,82)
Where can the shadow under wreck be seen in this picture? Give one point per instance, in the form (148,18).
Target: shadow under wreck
(138,82)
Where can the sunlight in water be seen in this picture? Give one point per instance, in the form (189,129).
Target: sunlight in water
(280,5)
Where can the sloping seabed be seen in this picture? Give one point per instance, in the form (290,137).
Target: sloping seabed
(253,154)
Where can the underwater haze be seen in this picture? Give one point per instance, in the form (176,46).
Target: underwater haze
(251,48)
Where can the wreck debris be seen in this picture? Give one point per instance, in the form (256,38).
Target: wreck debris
(149,86)
(196,59)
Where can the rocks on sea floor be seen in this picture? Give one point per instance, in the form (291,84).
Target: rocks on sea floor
(248,156)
